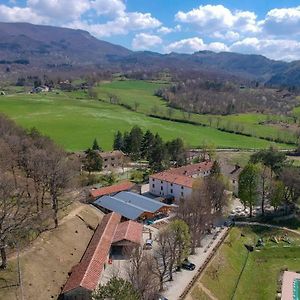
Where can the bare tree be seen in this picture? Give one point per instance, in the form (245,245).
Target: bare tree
(15,212)
(60,175)
(139,275)
(161,257)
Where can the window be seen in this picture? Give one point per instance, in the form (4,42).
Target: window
(113,165)
(171,191)
(161,188)
(161,182)
(171,184)
(153,185)
(153,179)
(105,159)
(181,194)
(182,187)
(105,166)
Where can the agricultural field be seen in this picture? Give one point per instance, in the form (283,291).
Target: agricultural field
(224,277)
(73,119)
(139,96)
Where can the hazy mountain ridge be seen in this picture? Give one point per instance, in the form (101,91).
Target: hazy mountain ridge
(47,46)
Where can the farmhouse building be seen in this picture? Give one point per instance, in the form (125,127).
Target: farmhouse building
(110,238)
(178,182)
(112,160)
(132,206)
(110,190)
(232,173)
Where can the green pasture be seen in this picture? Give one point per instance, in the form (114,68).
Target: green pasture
(261,273)
(73,121)
(139,95)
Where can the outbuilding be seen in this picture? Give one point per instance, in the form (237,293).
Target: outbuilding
(132,206)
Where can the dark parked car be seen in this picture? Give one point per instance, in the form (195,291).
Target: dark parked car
(188,266)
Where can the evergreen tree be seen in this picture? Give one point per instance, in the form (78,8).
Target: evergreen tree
(118,141)
(96,145)
(271,158)
(177,151)
(158,156)
(117,289)
(92,161)
(136,137)
(147,143)
(126,143)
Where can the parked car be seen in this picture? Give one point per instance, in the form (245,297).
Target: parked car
(160,297)
(148,244)
(188,266)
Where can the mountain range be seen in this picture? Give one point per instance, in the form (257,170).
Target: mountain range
(46,47)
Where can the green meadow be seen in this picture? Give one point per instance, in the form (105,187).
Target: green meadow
(259,278)
(139,95)
(73,120)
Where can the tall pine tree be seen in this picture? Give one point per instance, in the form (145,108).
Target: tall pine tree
(118,141)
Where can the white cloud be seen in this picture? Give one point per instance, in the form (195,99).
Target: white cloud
(194,44)
(277,49)
(111,7)
(212,18)
(144,41)
(59,10)
(19,14)
(282,22)
(228,35)
(133,21)
(167,30)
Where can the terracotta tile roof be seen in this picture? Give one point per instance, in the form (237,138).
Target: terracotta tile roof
(174,178)
(116,188)
(194,169)
(88,272)
(183,175)
(130,231)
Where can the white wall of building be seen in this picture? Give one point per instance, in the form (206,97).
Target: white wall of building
(163,188)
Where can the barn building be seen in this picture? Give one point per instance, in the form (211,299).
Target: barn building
(110,240)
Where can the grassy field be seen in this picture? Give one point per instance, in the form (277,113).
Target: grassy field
(140,96)
(73,121)
(262,269)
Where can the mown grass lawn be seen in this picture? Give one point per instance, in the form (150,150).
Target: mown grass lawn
(259,279)
(73,121)
(140,96)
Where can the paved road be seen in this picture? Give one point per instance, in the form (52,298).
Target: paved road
(181,279)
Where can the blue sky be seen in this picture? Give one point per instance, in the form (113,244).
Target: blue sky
(270,28)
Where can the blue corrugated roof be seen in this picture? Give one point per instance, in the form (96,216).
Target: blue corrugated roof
(129,205)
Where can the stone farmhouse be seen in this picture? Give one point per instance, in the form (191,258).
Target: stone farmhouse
(178,182)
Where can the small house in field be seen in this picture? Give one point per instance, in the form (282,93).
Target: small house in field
(112,160)
(110,240)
